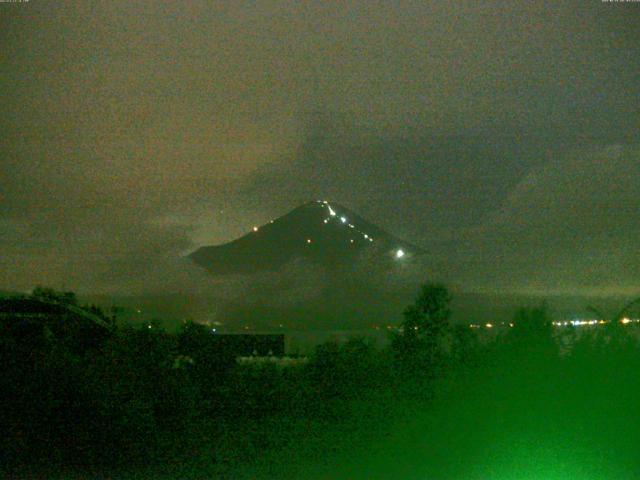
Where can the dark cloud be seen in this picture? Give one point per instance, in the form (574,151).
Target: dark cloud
(133,131)
(569,224)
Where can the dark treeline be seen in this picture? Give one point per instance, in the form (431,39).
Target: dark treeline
(439,398)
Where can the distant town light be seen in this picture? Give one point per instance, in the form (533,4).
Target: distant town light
(351,240)
(331,211)
(326,220)
(308,240)
(255,229)
(489,325)
(399,253)
(343,219)
(625,320)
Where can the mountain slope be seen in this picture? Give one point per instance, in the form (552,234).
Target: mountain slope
(322,232)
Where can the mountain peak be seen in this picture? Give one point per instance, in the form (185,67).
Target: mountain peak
(321,231)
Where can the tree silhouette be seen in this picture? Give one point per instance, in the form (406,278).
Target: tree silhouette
(50,295)
(531,325)
(429,316)
(425,325)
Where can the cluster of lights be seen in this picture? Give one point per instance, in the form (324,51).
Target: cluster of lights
(489,325)
(387,327)
(399,253)
(563,323)
(578,323)
(583,323)
(343,219)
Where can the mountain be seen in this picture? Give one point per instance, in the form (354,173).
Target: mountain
(325,233)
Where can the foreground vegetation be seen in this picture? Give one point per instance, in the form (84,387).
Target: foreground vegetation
(437,402)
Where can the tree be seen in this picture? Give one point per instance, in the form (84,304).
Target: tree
(425,325)
(428,317)
(532,325)
(50,295)
(465,346)
(531,336)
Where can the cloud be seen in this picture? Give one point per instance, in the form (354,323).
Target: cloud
(133,131)
(568,225)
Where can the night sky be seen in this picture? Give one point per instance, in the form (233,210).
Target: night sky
(501,136)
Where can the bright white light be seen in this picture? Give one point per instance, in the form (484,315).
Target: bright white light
(308,240)
(625,320)
(351,226)
(343,219)
(331,211)
(366,236)
(255,229)
(399,253)
(326,220)
(351,240)
(489,325)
